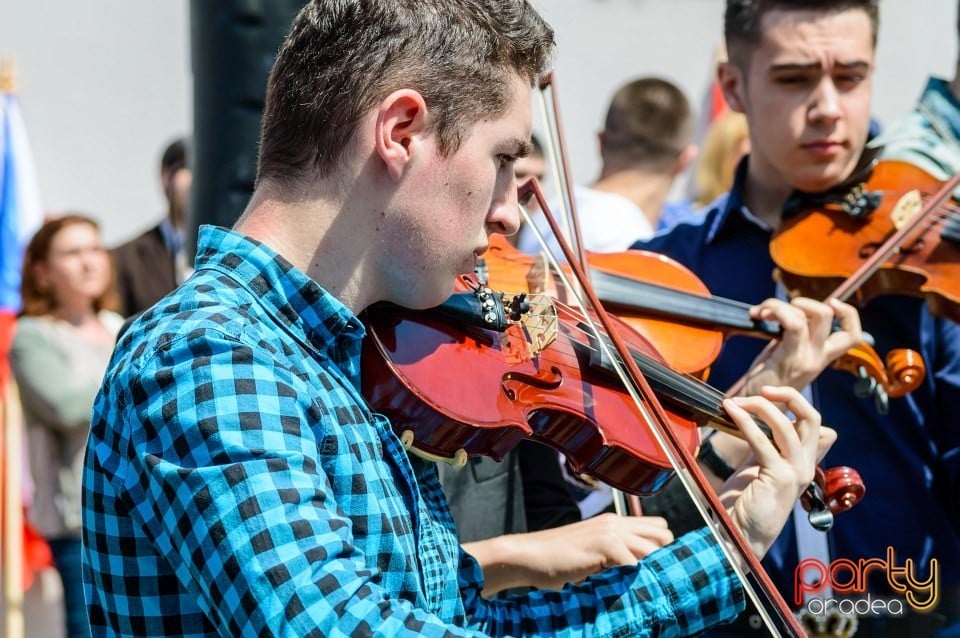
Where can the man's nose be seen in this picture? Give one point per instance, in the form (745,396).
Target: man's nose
(504,216)
(826,101)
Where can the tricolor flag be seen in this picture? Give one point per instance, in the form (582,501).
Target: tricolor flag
(20,211)
(20,216)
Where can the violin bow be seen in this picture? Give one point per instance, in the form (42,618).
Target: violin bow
(625,504)
(687,469)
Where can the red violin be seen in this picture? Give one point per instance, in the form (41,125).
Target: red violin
(541,376)
(533,367)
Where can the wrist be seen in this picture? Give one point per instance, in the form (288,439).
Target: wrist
(709,459)
(506,562)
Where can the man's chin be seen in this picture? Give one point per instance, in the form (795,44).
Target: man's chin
(819,181)
(429,298)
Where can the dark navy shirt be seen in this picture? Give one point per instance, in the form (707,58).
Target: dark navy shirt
(909,458)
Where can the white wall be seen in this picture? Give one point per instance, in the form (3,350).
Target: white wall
(106,83)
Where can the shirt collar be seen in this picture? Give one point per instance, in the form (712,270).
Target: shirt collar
(732,213)
(296,301)
(172,236)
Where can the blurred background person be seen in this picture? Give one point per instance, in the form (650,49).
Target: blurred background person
(533,165)
(646,142)
(63,340)
(724,145)
(152,264)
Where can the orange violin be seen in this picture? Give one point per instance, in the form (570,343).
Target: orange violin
(892,229)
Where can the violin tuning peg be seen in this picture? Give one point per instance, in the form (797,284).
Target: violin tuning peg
(881,400)
(865,386)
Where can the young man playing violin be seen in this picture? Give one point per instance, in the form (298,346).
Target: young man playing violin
(801,72)
(236,482)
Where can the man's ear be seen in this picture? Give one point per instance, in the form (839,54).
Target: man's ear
(733,85)
(400,127)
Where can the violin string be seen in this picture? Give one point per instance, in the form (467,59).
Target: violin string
(700,397)
(948,215)
(687,387)
(948,208)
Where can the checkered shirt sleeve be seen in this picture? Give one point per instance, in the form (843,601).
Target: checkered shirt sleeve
(679,590)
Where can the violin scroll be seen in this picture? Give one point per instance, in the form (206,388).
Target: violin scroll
(842,487)
(833,491)
(900,373)
(906,370)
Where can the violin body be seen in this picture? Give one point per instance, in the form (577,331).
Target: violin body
(459,388)
(819,248)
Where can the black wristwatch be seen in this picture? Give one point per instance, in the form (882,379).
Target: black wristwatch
(710,459)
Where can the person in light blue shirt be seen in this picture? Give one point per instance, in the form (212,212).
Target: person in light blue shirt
(929,135)
(236,481)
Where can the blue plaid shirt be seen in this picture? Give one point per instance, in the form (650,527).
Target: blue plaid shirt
(236,483)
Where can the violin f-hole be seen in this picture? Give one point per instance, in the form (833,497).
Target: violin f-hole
(547,380)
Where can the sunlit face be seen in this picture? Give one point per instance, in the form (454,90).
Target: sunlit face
(77,268)
(806,93)
(451,204)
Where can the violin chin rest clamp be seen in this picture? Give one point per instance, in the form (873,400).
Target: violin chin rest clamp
(457,461)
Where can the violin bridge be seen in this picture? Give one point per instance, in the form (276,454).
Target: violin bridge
(906,208)
(539,324)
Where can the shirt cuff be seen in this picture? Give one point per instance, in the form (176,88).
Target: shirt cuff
(702,585)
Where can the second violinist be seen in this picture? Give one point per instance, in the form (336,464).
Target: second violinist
(802,73)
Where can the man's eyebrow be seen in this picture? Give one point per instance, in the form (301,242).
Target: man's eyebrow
(856,65)
(523,147)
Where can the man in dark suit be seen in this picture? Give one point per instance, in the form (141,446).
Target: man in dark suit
(152,264)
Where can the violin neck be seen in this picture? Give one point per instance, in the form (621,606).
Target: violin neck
(617,292)
(684,394)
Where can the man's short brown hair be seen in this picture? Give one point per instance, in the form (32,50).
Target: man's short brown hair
(343,56)
(649,122)
(743,19)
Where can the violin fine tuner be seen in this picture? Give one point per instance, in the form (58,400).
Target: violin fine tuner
(860,202)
